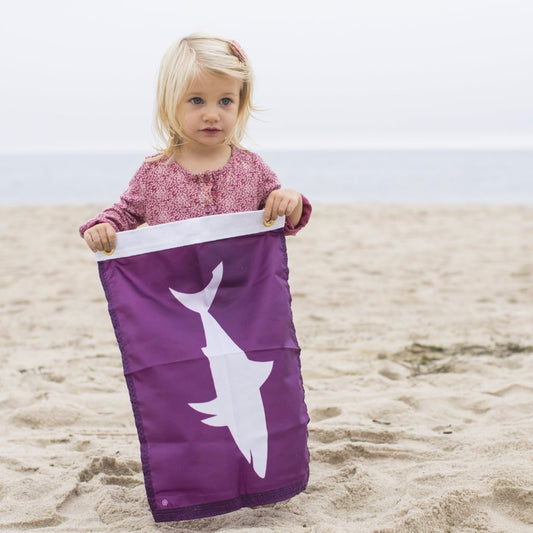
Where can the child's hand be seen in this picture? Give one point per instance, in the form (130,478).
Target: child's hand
(282,202)
(101,237)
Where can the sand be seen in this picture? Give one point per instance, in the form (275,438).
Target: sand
(415,324)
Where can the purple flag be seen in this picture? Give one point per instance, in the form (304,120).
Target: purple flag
(202,315)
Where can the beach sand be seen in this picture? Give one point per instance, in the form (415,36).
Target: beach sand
(416,328)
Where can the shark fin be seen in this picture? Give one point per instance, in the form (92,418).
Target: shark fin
(215,421)
(210,408)
(262,370)
(207,408)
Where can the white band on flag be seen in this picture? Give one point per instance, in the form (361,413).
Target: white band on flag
(190,231)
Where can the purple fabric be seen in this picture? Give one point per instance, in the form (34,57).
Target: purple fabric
(193,469)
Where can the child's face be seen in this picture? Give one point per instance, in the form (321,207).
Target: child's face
(208,112)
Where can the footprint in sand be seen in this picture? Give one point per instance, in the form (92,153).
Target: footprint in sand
(514,501)
(114,472)
(344,446)
(116,501)
(45,414)
(337,454)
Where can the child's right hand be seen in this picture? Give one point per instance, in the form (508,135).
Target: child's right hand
(101,237)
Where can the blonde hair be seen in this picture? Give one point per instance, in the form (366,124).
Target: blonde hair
(183,62)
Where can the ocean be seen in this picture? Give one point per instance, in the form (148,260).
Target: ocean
(373,176)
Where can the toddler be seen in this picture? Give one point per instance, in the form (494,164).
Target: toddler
(204,100)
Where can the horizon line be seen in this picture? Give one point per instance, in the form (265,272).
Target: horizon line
(362,148)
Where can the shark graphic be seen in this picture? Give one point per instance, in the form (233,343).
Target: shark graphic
(238,403)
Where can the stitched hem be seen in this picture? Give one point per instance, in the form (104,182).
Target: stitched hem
(227,506)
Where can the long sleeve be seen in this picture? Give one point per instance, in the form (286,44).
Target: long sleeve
(129,212)
(162,191)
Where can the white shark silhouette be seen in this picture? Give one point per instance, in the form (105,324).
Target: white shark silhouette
(238,403)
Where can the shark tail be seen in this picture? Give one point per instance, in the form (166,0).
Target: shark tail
(200,302)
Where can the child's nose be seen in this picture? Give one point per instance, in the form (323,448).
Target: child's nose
(210,114)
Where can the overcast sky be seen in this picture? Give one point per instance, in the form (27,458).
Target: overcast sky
(80,75)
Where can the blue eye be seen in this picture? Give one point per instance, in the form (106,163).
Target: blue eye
(196,100)
(226,101)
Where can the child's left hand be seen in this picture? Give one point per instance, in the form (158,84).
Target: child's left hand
(284,202)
